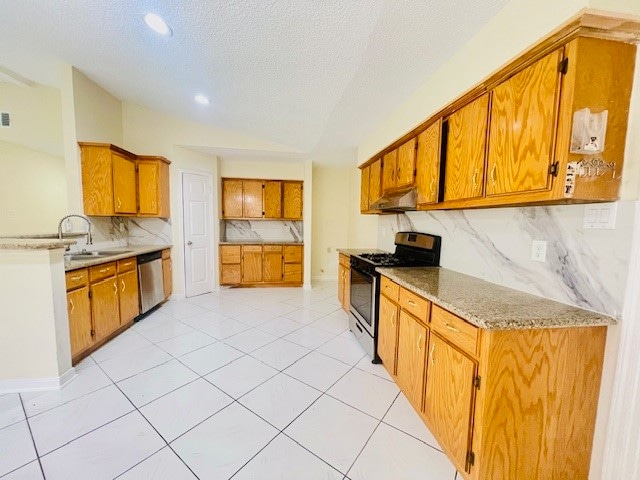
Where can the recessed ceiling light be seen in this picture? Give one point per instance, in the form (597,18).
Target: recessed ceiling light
(202,100)
(157,24)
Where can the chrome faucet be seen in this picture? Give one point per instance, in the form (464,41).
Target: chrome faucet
(89,238)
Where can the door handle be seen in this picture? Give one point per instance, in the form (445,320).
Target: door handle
(115,289)
(189,243)
(123,285)
(431,360)
(73,307)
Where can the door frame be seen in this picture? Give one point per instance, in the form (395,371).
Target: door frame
(215,230)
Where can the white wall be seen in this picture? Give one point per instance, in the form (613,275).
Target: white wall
(244,168)
(495,244)
(33,190)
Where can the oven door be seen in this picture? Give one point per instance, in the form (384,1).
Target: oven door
(363,299)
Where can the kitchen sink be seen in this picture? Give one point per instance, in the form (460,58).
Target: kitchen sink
(95,254)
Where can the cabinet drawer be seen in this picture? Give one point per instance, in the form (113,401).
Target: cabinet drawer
(390,289)
(457,331)
(102,271)
(230,254)
(166,253)
(272,248)
(230,275)
(127,264)
(415,305)
(252,248)
(345,260)
(293,254)
(77,278)
(293,273)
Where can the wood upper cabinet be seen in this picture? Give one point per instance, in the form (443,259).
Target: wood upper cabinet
(448,399)
(117,182)
(272,199)
(465,150)
(153,187)
(406,164)
(129,298)
(79,311)
(411,363)
(251,263)
(272,264)
(371,186)
(292,200)
(364,188)
(252,201)
(388,333)
(428,164)
(522,129)
(105,307)
(389,170)
(231,198)
(124,184)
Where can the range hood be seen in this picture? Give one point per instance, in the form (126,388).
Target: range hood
(397,201)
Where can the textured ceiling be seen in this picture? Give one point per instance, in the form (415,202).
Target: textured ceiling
(310,74)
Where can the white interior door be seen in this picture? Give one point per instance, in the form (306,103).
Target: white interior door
(198,238)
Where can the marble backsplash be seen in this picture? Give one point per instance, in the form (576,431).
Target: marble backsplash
(121,231)
(585,268)
(261,230)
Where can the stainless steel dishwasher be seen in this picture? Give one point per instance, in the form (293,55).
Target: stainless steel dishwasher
(150,280)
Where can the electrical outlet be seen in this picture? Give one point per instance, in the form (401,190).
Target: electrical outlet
(11,213)
(328,249)
(539,251)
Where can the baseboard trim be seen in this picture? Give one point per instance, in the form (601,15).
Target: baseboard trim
(18,385)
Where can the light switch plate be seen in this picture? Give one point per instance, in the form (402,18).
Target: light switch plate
(600,216)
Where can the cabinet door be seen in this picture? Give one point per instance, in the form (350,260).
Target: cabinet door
(389,170)
(230,254)
(428,164)
(521,133)
(230,274)
(251,264)
(167,277)
(375,178)
(124,184)
(388,334)
(105,307)
(343,279)
(252,206)
(448,397)
(364,189)
(412,358)
(273,199)
(405,175)
(293,273)
(231,198)
(292,200)
(148,183)
(272,265)
(466,141)
(79,310)
(129,298)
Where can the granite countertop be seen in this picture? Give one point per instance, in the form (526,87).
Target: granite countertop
(488,305)
(126,252)
(359,251)
(258,242)
(30,243)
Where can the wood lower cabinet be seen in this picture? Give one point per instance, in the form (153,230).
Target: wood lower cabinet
(411,365)
(272,264)
(80,329)
(503,404)
(388,334)
(105,307)
(167,273)
(261,265)
(344,282)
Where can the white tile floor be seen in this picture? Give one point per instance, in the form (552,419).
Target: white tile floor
(249,384)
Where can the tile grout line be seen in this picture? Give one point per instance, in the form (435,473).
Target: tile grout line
(33,440)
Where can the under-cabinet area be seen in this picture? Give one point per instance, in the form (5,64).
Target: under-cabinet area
(261,264)
(509,140)
(512,387)
(104,297)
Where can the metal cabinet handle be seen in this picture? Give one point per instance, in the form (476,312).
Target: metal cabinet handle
(412,303)
(432,186)
(493,173)
(453,329)
(73,307)
(123,285)
(76,278)
(393,321)
(420,342)
(433,349)
(103,270)
(115,289)
(474,179)
(119,202)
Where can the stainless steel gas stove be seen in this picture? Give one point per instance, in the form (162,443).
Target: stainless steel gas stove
(412,250)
